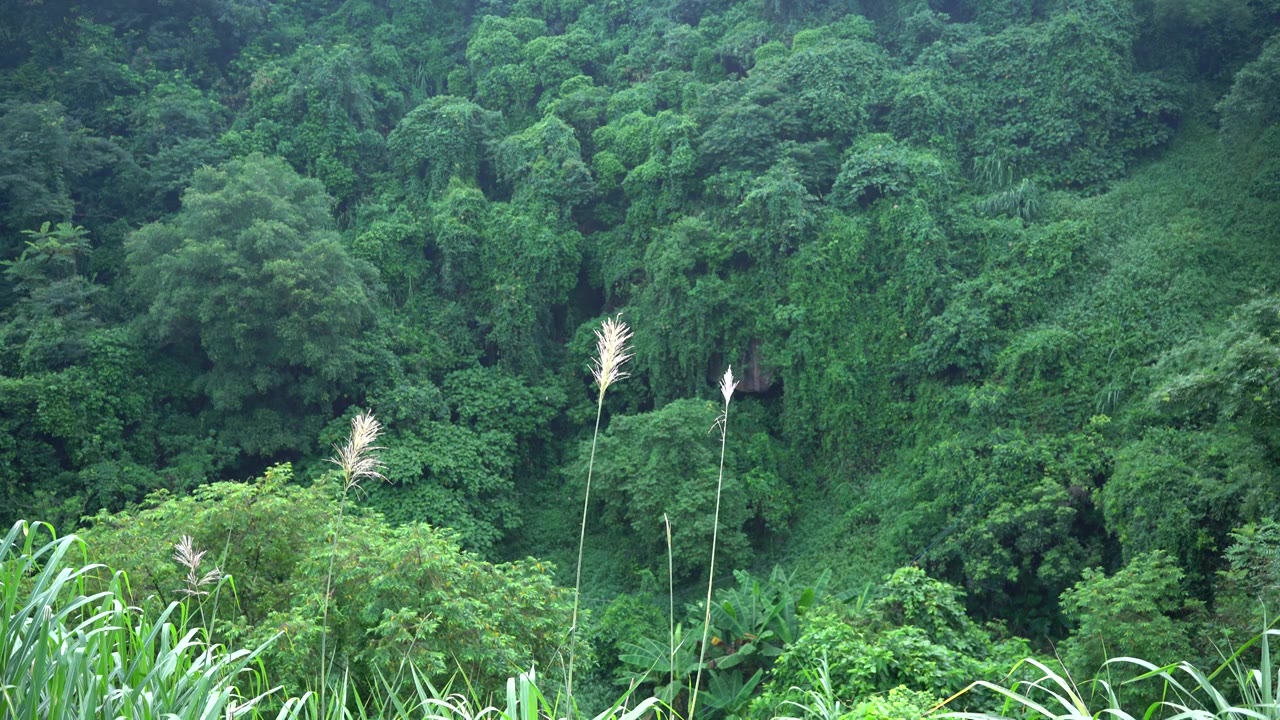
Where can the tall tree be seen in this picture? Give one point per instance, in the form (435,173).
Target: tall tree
(250,284)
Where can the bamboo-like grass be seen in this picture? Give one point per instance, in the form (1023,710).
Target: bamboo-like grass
(1251,691)
(671,603)
(68,650)
(419,699)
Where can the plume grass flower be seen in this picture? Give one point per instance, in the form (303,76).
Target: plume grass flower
(186,555)
(727,386)
(356,457)
(611,354)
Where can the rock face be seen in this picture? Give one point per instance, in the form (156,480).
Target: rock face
(756,376)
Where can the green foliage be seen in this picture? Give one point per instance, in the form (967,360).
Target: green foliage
(665,462)
(1078,115)
(897,704)
(544,165)
(751,625)
(879,167)
(779,210)
(746,125)
(84,437)
(72,647)
(757,620)
(453,478)
(1231,378)
(529,270)
(53,312)
(175,130)
(398,593)
(914,636)
(1242,686)
(270,306)
(923,110)
(1251,104)
(688,302)
(319,109)
(991,313)
(1129,614)
(47,156)
(1181,492)
(438,140)
(496,57)
(836,88)
(630,621)
(1247,588)
(1020,515)
(822,703)
(668,667)
(834,394)
(1009,195)
(395,243)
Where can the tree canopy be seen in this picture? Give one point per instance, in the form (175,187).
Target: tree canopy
(997,278)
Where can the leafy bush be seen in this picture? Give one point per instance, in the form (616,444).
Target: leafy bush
(399,594)
(914,636)
(271,306)
(1132,613)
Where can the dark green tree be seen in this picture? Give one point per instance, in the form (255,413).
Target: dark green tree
(544,166)
(665,462)
(46,158)
(321,110)
(251,286)
(1251,105)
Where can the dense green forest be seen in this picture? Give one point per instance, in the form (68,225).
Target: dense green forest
(999,280)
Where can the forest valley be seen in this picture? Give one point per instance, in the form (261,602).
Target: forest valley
(999,282)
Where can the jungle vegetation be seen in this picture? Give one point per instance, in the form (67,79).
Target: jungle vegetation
(999,283)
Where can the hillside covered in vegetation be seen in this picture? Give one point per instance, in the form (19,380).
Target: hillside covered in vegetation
(999,279)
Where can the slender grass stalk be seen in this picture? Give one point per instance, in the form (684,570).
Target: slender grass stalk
(358,462)
(523,701)
(1051,696)
(727,386)
(671,603)
(1251,691)
(611,353)
(824,703)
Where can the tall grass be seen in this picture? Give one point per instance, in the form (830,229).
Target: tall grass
(419,699)
(68,650)
(1236,690)
(523,701)
(671,602)
(611,353)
